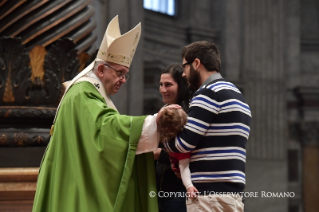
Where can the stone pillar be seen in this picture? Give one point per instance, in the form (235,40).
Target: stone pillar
(135,84)
(233,51)
(264,78)
(292,43)
(308,95)
(101,19)
(263,75)
(202,21)
(293,72)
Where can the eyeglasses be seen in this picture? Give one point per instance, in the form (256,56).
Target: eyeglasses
(119,74)
(185,64)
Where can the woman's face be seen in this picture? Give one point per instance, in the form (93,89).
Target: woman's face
(169,89)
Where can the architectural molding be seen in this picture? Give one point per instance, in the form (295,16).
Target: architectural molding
(17,188)
(310,44)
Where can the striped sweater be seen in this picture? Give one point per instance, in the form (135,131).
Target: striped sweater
(216,134)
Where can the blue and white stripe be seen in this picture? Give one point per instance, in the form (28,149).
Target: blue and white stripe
(180,144)
(166,145)
(205,103)
(221,176)
(218,86)
(219,153)
(197,126)
(228,129)
(234,105)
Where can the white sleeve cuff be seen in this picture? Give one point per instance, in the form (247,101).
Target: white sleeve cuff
(150,137)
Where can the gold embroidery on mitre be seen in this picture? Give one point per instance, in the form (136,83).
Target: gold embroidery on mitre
(134,45)
(118,58)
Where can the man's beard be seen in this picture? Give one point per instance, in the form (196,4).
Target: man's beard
(194,79)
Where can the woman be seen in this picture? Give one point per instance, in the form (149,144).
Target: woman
(174,90)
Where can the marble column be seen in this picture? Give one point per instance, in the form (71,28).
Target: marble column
(263,75)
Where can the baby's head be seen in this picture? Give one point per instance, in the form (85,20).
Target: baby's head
(171,123)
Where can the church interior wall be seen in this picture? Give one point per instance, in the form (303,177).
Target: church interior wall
(269,49)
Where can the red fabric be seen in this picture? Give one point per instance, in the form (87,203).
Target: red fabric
(174,164)
(175,157)
(180,156)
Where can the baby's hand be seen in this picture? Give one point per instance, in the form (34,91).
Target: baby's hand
(192,192)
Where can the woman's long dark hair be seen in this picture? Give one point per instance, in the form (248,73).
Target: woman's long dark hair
(176,72)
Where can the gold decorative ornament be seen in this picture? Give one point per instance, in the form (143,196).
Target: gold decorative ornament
(20,138)
(3,139)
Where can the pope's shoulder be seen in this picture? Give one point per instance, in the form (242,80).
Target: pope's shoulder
(83,89)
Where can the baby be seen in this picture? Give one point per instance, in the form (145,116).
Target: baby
(171,123)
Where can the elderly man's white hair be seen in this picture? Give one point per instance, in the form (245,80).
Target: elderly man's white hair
(97,62)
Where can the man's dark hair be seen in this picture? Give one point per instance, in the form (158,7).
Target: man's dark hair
(206,52)
(176,72)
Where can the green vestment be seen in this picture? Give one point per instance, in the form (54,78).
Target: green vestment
(90,163)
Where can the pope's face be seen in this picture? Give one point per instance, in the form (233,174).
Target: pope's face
(113,76)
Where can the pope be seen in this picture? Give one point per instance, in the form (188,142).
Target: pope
(94,160)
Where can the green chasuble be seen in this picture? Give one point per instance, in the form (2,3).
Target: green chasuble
(90,163)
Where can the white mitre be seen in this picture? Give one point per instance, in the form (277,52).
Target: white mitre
(115,48)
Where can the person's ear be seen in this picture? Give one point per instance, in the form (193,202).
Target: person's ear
(196,63)
(100,69)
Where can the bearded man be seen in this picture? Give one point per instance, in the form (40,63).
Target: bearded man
(216,132)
